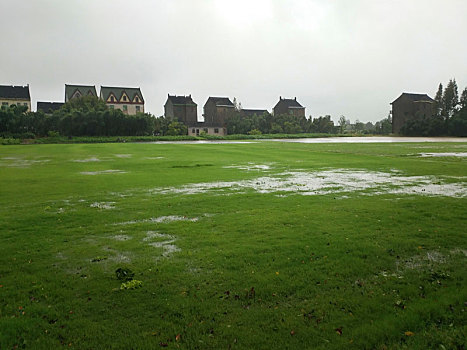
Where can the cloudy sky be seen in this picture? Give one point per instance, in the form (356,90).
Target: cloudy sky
(341,57)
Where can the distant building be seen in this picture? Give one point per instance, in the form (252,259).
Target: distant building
(129,100)
(196,129)
(49,107)
(76,91)
(289,106)
(181,108)
(408,106)
(217,110)
(251,112)
(15,95)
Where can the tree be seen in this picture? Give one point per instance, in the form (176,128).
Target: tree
(439,99)
(463,99)
(342,123)
(450,99)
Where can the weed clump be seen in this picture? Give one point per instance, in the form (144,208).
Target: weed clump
(124,274)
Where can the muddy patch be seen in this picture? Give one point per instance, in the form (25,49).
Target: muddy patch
(330,181)
(103,172)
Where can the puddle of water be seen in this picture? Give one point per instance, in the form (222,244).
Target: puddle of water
(101,172)
(445,154)
(249,167)
(327,182)
(160,219)
(123,155)
(372,139)
(121,237)
(22,163)
(153,158)
(103,205)
(87,160)
(168,248)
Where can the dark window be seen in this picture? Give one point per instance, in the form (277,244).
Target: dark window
(216,130)
(125,107)
(193,131)
(137,108)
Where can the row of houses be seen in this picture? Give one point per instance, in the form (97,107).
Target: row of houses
(216,111)
(128,100)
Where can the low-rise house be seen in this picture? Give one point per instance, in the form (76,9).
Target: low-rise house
(77,91)
(128,100)
(289,106)
(49,107)
(217,110)
(15,95)
(195,129)
(408,106)
(181,108)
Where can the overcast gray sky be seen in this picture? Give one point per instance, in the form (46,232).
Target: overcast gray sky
(341,57)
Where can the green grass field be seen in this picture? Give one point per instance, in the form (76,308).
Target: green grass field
(264,245)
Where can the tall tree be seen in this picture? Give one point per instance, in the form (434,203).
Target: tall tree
(439,99)
(463,99)
(342,123)
(450,99)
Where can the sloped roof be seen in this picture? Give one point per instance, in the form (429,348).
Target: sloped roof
(118,92)
(289,103)
(84,90)
(415,97)
(49,106)
(181,100)
(220,101)
(250,112)
(15,92)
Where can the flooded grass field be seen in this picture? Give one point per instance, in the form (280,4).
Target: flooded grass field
(234,245)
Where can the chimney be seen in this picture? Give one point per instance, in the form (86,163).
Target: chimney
(280,98)
(295,98)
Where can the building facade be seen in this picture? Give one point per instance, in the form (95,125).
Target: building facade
(199,128)
(408,106)
(289,106)
(217,110)
(128,100)
(181,108)
(252,112)
(15,95)
(77,91)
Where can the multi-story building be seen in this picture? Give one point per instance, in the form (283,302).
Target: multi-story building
(15,95)
(128,100)
(76,91)
(289,106)
(408,106)
(181,108)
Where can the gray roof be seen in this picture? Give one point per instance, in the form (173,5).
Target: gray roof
(48,106)
(415,97)
(250,112)
(118,92)
(289,103)
(84,90)
(221,101)
(15,92)
(181,100)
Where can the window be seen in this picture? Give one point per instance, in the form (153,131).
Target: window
(138,108)
(205,130)
(125,107)
(124,98)
(197,131)
(4,105)
(192,131)
(25,104)
(112,107)
(216,130)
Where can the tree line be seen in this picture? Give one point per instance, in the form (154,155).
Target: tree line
(450,117)
(90,116)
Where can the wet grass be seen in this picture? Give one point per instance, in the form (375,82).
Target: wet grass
(255,270)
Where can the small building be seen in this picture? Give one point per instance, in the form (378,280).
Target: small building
(289,106)
(217,110)
(252,112)
(77,91)
(128,100)
(15,96)
(195,129)
(181,108)
(408,106)
(49,107)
